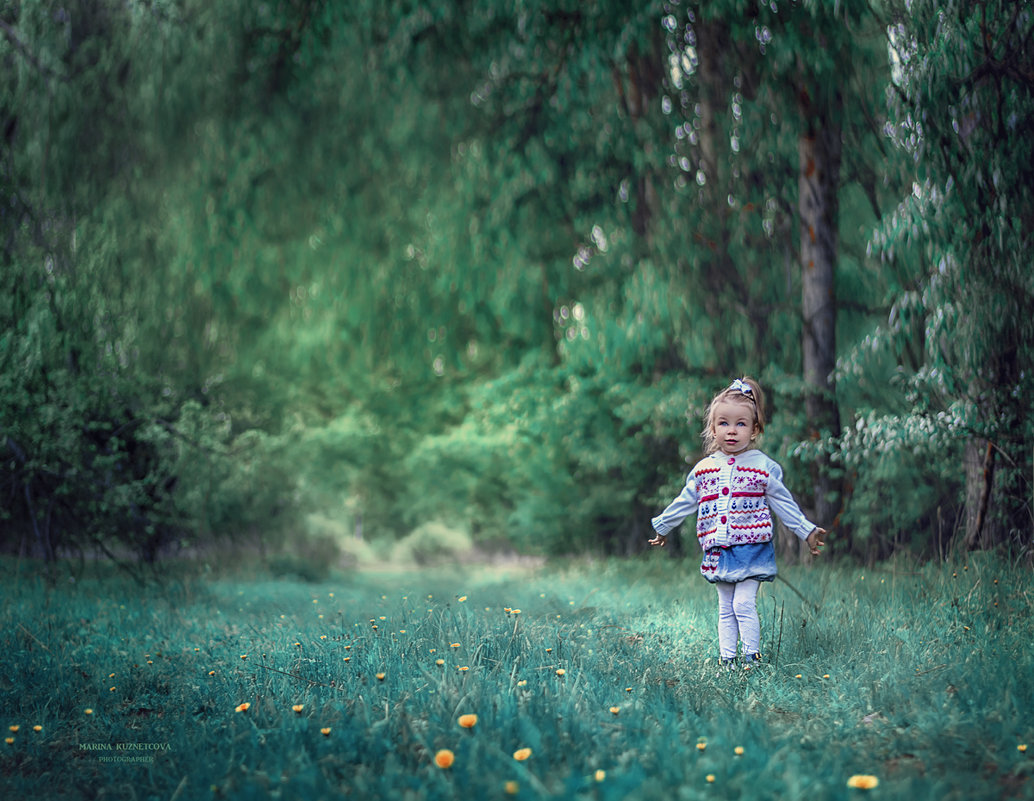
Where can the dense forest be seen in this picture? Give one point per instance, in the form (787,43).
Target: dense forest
(307,273)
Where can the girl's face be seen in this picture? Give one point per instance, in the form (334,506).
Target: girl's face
(733,426)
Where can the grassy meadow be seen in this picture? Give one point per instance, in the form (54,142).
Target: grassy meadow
(587,680)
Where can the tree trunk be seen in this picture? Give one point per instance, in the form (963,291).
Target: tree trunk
(819,153)
(979,464)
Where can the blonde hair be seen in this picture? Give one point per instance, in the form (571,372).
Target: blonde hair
(742,390)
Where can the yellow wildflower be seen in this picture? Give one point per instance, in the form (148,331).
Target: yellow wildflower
(444,758)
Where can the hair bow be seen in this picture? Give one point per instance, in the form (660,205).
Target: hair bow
(742,386)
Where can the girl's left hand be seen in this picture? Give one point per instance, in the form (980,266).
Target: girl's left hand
(658,540)
(816,540)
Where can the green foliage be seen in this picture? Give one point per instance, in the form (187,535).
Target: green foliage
(433,543)
(954,253)
(382,264)
(920,676)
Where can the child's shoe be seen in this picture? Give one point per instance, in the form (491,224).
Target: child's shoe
(726,666)
(751,661)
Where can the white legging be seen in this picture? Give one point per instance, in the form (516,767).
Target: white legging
(738,617)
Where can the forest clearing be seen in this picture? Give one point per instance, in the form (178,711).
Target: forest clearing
(240,687)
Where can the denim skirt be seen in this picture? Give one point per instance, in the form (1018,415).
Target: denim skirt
(739,562)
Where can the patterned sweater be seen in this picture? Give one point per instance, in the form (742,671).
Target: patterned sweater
(734,497)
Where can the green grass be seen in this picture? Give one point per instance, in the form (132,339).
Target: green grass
(919,675)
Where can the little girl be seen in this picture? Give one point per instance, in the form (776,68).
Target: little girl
(733,490)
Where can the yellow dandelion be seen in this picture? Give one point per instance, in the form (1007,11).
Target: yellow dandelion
(560,671)
(462,598)
(243,707)
(863,782)
(516,611)
(701,746)
(444,758)
(348,659)
(511,787)
(454,645)
(111,675)
(325,731)
(464,668)
(383,617)
(507,609)
(738,750)
(9,740)
(522,754)
(614,710)
(797,676)
(14,729)
(37,728)
(439,662)
(628,689)
(402,631)
(710,778)
(1022,748)
(549,650)
(298,708)
(111,689)
(468,721)
(87,711)
(600,775)
(244,656)
(380,677)
(825,675)
(323,636)
(522,683)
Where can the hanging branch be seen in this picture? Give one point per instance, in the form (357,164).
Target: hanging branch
(12,36)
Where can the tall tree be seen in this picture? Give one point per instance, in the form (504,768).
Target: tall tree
(760,81)
(962,107)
